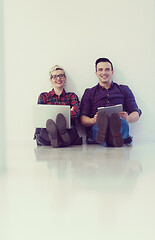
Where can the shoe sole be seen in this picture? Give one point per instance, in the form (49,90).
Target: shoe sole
(102,123)
(52,132)
(115,130)
(61,126)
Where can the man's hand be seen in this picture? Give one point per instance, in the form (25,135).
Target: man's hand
(87,121)
(123,115)
(95,118)
(132,117)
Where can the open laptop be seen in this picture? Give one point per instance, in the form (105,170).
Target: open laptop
(43,112)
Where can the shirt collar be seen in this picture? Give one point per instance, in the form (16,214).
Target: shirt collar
(112,85)
(53,92)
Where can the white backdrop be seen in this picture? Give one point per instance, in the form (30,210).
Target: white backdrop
(2,107)
(41,33)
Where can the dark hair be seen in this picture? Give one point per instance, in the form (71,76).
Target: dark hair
(103,60)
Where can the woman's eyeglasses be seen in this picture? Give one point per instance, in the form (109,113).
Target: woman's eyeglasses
(61,76)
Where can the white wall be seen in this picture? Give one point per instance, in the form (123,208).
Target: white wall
(42,33)
(2,108)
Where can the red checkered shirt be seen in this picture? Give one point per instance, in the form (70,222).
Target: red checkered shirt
(65,98)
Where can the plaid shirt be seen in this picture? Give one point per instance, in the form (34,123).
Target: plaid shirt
(65,98)
(100,97)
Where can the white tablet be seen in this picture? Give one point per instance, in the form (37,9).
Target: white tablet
(110,109)
(43,112)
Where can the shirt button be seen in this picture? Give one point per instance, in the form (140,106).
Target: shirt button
(107,101)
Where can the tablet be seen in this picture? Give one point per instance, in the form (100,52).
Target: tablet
(110,109)
(43,112)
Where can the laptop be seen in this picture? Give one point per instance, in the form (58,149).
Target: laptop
(110,109)
(43,112)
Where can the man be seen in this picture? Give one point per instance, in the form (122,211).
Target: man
(113,130)
(55,134)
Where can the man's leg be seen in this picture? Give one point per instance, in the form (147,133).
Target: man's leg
(124,130)
(94,130)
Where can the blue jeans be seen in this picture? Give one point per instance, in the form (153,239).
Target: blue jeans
(124,129)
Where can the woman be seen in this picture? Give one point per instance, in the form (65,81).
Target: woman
(55,133)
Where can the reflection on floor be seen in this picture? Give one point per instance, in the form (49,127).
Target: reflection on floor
(82,192)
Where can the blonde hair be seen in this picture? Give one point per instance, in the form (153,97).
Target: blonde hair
(56,67)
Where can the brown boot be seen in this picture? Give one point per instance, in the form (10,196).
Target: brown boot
(102,123)
(52,132)
(61,126)
(115,139)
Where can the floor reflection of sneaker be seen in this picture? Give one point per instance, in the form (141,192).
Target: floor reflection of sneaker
(115,136)
(61,126)
(102,123)
(52,132)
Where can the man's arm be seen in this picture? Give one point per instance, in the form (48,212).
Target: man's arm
(130,105)
(87,121)
(132,117)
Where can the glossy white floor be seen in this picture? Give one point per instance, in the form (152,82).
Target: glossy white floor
(81,192)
